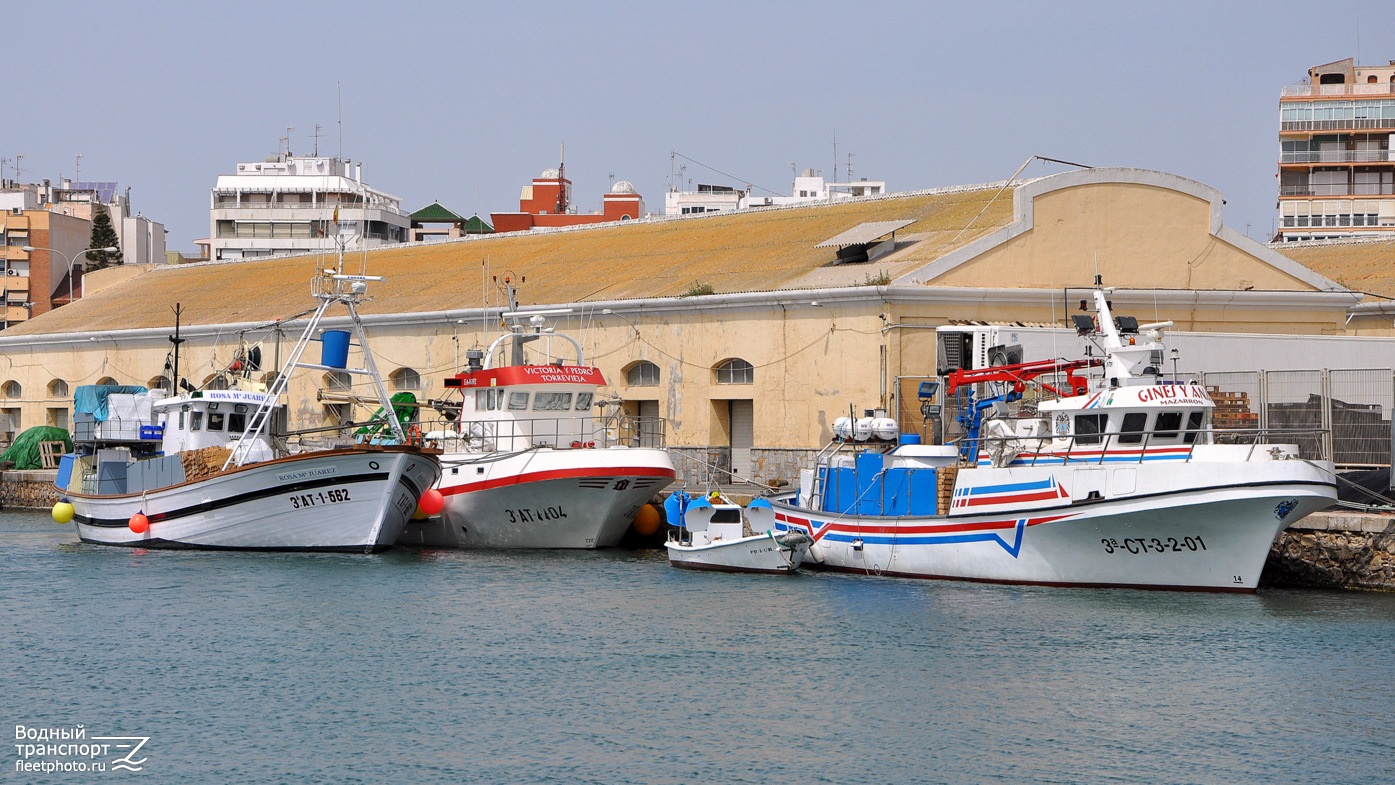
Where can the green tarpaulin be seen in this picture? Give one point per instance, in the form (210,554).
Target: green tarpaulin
(25,450)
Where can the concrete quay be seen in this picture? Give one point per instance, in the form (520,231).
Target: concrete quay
(1334,550)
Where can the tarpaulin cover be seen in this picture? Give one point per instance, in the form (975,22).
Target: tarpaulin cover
(92,398)
(25,449)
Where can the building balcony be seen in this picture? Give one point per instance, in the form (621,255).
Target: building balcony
(1338,157)
(1342,191)
(1355,124)
(1323,90)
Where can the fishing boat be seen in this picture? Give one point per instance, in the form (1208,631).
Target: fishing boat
(715,534)
(527,460)
(1115,479)
(211,469)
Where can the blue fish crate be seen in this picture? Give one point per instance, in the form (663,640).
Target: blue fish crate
(152,432)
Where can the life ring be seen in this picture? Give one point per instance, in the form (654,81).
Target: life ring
(414,435)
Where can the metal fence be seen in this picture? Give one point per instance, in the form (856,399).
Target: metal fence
(1351,407)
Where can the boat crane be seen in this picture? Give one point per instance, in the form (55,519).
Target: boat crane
(1016,376)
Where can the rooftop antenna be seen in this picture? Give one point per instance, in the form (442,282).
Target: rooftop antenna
(850,155)
(19,157)
(561,186)
(338,88)
(77,170)
(287,139)
(834,170)
(316,137)
(3,163)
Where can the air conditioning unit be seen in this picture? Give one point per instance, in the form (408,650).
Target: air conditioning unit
(17,210)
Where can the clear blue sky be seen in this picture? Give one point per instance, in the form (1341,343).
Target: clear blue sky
(465,103)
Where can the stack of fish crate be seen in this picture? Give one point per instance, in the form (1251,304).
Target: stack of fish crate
(1232,410)
(944,487)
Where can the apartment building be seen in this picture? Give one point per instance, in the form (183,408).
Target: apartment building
(291,204)
(1337,153)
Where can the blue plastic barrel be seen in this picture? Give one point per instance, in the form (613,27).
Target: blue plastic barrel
(335,352)
(909,438)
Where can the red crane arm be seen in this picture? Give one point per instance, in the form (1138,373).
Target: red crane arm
(1019,374)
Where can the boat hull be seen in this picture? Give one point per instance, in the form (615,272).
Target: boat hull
(1210,537)
(761,553)
(542,498)
(355,500)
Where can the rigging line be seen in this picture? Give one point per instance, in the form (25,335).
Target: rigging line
(1007,184)
(724,174)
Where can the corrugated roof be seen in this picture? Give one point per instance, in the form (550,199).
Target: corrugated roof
(1360,265)
(865,233)
(735,252)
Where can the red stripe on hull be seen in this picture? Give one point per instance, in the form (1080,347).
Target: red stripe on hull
(560,474)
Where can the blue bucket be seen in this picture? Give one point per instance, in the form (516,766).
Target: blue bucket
(335,352)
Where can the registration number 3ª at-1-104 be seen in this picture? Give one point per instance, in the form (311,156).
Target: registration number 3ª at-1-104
(535,515)
(302,500)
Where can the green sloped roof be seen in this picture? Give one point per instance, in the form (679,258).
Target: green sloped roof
(436,213)
(476,225)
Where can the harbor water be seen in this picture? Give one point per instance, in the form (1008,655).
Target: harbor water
(611,667)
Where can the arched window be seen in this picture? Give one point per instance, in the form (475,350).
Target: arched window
(58,389)
(12,390)
(107,380)
(405,379)
(338,381)
(642,374)
(214,381)
(159,383)
(736,371)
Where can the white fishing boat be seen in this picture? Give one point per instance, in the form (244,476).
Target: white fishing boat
(210,468)
(527,463)
(721,536)
(1118,482)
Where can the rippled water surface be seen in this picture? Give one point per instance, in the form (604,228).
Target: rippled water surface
(612,667)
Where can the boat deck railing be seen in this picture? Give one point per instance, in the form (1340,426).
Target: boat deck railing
(612,430)
(1179,444)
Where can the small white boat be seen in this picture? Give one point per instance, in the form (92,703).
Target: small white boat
(528,462)
(209,469)
(719,537)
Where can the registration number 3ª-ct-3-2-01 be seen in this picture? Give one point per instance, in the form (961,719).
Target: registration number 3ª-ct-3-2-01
(302,500)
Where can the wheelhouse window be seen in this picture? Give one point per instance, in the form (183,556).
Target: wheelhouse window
(237,421)
(1089,427)
(1168,424)
(552,402)
(1131,432)
(736,371)
(518,401)
(195,421)
(215,421)
(583,401)
(488,400)
(642,374)
(1194,421)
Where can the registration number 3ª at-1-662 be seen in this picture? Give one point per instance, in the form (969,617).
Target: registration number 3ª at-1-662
(302,500)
